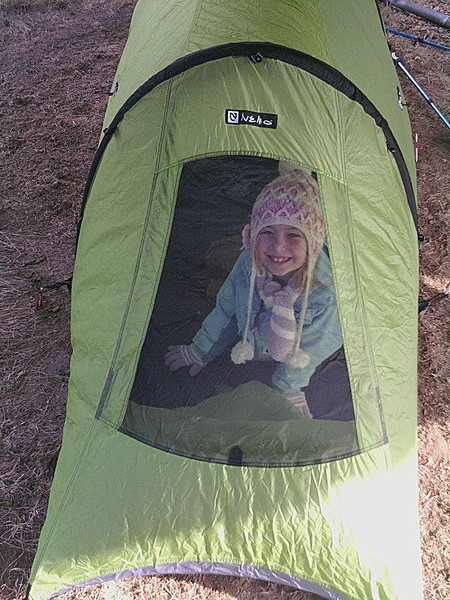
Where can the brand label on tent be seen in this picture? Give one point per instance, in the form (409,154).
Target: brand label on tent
(248,117)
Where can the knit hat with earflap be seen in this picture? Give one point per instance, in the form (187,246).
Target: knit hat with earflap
(291,199)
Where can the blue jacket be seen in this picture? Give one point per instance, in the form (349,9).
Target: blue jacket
(321,334)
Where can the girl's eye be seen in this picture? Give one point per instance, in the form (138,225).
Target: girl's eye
(267,231)
(295,235)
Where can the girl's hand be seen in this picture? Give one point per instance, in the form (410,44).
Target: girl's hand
(299,400)
(184,356)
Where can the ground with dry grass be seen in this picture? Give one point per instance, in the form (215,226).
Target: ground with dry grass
(58,59)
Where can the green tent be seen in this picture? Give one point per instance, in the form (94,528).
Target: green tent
(164,472)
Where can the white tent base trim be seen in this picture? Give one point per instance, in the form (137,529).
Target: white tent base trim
(226,569)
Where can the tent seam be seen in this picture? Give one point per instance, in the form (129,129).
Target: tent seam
(360,296)
(150,310)
(309,465)
(277,157)
(88,441)
(193,25)
(106,392)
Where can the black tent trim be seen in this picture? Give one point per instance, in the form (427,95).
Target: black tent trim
(262,50)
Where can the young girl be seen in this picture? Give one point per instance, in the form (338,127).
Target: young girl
(279,295)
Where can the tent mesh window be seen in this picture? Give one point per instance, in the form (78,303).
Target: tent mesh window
(240,414)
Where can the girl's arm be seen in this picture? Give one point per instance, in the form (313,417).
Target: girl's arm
(220,328)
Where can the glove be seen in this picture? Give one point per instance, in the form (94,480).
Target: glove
(184,356)
(299,400)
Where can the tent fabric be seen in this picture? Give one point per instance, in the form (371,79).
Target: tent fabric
(340,36)
(327,505)
(254,52)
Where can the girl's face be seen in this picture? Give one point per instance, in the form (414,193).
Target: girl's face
(281,249)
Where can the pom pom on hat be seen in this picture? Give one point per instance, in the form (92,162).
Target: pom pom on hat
(285,168)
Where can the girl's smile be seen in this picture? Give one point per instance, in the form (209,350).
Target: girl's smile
(281,249)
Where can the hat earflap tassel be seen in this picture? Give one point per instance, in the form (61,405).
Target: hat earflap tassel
(244,351)
(301,359)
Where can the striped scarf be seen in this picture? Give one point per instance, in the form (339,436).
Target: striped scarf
(282,332)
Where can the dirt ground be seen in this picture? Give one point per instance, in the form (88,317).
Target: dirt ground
(58,59)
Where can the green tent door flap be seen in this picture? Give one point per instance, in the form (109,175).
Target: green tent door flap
(242,397)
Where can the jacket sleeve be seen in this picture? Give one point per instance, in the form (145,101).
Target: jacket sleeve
(321,337)
(220,327)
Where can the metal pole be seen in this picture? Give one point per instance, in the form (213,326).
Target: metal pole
(416,38)
(405,71)
(421,11)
